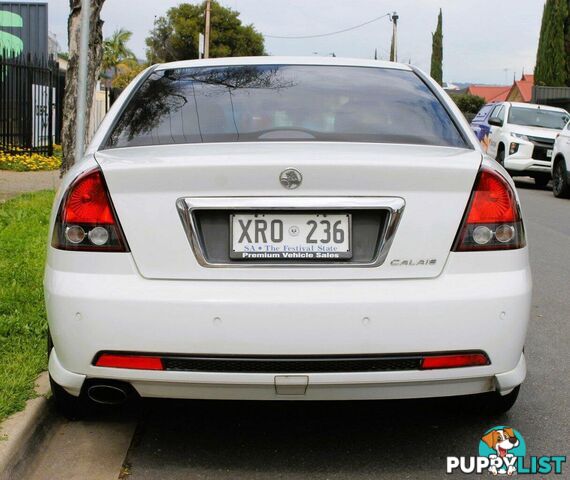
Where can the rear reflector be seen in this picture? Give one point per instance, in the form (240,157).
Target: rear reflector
(133,362)
(454,361)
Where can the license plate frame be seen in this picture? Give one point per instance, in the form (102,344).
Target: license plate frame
(296,251)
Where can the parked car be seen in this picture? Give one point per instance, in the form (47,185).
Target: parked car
(286,229)
(521,136)
(561,164)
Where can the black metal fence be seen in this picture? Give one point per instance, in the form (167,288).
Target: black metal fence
(29,108)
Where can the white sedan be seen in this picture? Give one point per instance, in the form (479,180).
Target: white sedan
(561,164)
(286,229)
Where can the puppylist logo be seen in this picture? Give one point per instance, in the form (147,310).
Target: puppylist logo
(502,451)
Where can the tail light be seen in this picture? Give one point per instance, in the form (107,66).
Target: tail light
(86,219)
(492,220)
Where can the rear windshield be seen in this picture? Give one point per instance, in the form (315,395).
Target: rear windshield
(264,103)
(534,117)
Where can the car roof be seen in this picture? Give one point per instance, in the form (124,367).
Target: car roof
(269,60)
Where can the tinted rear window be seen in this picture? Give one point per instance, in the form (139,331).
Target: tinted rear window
(284,103)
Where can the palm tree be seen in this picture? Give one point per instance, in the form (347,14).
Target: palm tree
(116,52)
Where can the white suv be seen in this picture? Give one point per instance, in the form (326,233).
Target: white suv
(290,229)
(522,138)
(561,164)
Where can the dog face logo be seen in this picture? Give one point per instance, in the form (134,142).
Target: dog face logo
(503,445)
(501,441)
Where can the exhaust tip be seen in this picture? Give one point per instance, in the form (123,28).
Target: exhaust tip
(106,394)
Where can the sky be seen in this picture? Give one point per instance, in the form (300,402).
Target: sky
(485,41)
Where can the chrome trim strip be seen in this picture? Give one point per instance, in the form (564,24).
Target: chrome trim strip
(187,206)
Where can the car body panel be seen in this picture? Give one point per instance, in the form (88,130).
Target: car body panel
(146,182)
(126,312)
(480,125)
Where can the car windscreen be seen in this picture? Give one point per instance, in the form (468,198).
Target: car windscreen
(535,117)
(259,103)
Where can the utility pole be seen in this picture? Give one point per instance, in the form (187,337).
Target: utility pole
(394,48)
(207,30)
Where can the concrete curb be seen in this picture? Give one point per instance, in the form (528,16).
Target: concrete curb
(22,431)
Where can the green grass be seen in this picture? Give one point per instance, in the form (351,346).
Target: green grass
(23,236)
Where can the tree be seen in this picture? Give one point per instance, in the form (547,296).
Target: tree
(567,45)
(71,79)
(127,71)
(175,36)
(115,50)
(437,51)
(551,60)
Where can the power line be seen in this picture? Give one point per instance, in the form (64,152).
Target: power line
(299,37)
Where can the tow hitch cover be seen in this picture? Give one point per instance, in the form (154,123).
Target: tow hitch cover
(291,384)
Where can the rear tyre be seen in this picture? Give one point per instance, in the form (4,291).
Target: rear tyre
(541,180)
(497,404)
(560,182)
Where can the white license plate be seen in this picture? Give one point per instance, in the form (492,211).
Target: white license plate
(290,236)
(549,153)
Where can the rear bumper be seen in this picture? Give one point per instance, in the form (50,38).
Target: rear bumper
(345,386)
(459,310)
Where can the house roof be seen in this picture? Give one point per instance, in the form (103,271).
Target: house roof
(524,86)
(490,93)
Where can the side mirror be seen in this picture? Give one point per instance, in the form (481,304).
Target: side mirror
(495,121)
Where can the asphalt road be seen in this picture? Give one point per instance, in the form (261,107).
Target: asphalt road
(364,440)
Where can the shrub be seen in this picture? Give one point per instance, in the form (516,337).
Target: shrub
(468,103)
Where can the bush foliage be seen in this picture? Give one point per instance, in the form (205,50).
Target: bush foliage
(468,103)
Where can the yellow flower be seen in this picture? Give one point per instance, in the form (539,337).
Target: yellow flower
(22,159)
